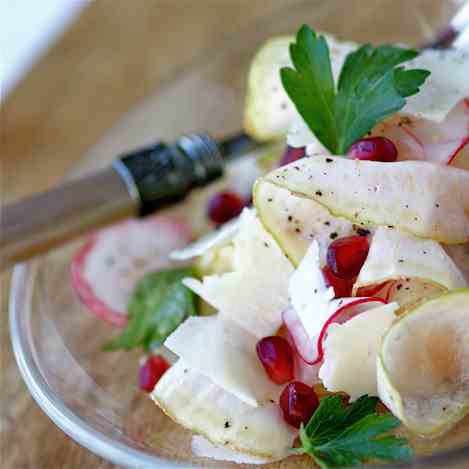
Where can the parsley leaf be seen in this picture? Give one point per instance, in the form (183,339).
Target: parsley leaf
(338,436)
(370,88)
(159,303)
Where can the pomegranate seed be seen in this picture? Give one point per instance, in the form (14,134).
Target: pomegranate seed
(151,372)
(224,206)
(292,154)
(345,256)
(373,149)
(298,403)
(276,356)
(342,287)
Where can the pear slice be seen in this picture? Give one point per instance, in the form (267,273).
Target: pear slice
(397,256)
(424,199)
(269,112)
(423,366)
(295,220)
(196,403)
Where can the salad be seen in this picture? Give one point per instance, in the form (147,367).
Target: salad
(326,317)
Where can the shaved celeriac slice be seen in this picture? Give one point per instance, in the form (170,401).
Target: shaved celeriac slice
(294,220)
(269,112)
(421,198)
(423,365)
(255,293)
(226,354)
(394,255)
(196,403)
(350,352)
(204,448)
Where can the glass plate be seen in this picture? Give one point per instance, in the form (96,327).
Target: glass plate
(93,396)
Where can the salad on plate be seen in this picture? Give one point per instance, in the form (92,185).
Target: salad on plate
(326,316)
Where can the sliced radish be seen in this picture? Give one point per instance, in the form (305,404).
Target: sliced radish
(422,139)
(311,350)
(106,268)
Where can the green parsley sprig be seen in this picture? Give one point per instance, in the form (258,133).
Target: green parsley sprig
(371,87)
(338,436)
(159,303)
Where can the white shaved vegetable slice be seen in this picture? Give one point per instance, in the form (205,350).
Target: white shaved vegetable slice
(351,349)
(294,220)
(446,85)
(196,403)
(225,353)
(423,139)
(424,199)
(255,293)
(204,448)
(423,366)
(394,255)
(269,112)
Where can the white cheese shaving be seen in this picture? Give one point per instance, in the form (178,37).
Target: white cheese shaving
(256,292)
(351,350)
(225,353)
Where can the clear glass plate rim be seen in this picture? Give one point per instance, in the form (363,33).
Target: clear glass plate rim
(77,428)
(45,397)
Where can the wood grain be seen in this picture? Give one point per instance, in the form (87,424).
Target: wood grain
(117,53)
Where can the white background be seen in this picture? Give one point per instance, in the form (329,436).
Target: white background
(27,29)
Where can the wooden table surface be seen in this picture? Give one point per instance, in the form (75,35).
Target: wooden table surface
(116,53)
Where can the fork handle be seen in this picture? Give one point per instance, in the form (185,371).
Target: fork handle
(137,184)
(38,223)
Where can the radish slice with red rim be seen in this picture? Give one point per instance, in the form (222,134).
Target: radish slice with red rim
(311,350)
(421,139)
(107,267)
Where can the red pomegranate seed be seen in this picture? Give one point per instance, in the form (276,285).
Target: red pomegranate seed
(342,287)
(373,149)
(224,206)
(298,403)
(276,356)
(151,372)
(345,256)
(292,154)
